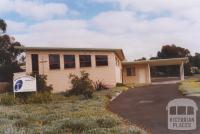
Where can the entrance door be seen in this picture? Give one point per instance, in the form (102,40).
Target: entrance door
(142,75)
(35,65)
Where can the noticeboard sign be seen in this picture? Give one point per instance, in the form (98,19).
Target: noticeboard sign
(24,83)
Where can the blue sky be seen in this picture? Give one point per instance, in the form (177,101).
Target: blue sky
(140,28)
(85,10)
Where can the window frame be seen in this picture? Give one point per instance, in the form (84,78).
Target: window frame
(89,61)
(132,71)
(65,62)
(100,64)
(50,64)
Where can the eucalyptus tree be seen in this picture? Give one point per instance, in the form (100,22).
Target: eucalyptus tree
(8,54)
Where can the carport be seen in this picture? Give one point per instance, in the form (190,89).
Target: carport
(140,71)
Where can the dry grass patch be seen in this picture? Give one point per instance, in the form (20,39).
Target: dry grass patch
(190,87)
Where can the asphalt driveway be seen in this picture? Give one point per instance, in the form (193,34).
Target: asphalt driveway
(146,107)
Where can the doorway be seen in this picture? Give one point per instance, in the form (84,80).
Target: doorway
(142,75)
(35,65)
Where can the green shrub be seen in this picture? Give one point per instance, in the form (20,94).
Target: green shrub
(88,93)
(107,122)
(7,99)
(22,97)
(58,97)
(81,85)
(44,97)
(41,83)
(74,125)
(98,85)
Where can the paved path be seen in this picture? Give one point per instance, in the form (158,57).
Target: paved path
(146,107)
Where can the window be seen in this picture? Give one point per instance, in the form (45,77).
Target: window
(69,61)
(85,60)
(130,71)
(54,61)
(101,60)
(35,64)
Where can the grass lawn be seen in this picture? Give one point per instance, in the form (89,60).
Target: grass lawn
(73,115)
(190,87)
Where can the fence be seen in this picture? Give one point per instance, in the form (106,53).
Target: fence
(3,86)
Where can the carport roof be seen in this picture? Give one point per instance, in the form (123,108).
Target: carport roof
(158,62)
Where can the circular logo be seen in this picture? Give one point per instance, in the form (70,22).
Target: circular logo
(18,85)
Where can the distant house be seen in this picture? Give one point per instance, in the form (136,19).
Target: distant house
(106,65)
(195,70)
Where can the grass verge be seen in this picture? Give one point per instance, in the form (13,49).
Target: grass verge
(190,87)
(73,115)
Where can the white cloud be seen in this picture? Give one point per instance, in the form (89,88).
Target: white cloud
(145,39)
(188,9)
(115,22)
(103,1)
(128,22)
(54,26)
(15,27)
(33,9)
(125,28)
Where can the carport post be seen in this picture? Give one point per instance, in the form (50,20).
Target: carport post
(149,73)
(182,71)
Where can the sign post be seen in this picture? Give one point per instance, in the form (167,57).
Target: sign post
(24,83)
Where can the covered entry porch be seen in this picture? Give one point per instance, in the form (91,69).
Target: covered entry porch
(140,71)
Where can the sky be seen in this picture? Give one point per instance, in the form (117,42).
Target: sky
(139,27)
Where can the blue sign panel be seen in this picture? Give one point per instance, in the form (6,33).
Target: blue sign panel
(18,85)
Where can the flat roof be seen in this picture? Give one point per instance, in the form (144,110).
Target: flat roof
(118,52)
(158,62)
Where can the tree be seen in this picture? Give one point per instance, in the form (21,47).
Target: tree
(195,60)
(3,25)
(172,51)
(141,59)
(8,55)
(195,63)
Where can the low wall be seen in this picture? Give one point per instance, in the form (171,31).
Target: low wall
(3,86)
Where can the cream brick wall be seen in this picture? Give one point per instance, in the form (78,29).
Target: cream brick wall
(142,74)
(59,78)
(118,70)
